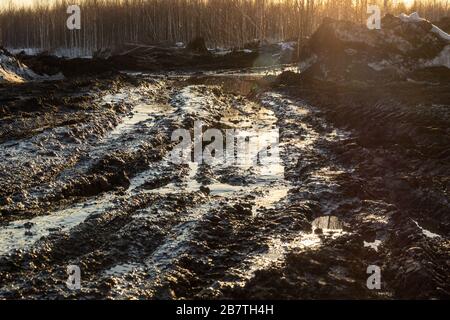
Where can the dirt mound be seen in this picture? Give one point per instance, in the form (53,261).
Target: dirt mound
(341,50)
(12,70)
(197,45)
(197,56)
(161,57)
(47,64)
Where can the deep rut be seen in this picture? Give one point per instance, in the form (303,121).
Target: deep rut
(140,226)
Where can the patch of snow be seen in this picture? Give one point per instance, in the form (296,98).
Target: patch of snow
(27,51)
(427,233)
(350,51)
(414,17)
(304,65)
(222,51)
(374,245)
(59,52)
(443,59)
(378,66)
(444,35)
(12,70)
(72,53)
(287,46)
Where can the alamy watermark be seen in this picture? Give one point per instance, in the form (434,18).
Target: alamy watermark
(73,281)
(74,20)
(374,20)
(374,280)
(231,147)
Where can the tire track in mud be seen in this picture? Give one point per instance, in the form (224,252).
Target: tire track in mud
(205,265)
(63,222)
(70,221)
(186,255)
(95,152)
(259,242)
(162,264)
(375,230)
(305,227)
(41,130)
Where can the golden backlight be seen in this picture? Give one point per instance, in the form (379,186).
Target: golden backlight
(31,2)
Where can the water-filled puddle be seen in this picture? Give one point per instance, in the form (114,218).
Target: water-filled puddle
(22,234)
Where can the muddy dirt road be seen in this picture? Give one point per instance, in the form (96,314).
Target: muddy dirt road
(87,180)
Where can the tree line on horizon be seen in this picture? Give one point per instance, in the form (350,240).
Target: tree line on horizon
(222,23)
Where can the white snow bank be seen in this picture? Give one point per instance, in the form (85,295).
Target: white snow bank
(69,53)
(414,17)
(12,70)
(443,59)
(287,45)
(27,51)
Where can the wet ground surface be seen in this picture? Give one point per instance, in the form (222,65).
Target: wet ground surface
(87,179)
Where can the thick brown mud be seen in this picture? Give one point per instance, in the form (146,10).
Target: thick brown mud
(87,180)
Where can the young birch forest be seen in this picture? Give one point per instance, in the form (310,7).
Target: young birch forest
(222,23)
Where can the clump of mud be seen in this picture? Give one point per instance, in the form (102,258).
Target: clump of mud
(344,51)
(13,70)
(194,57)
